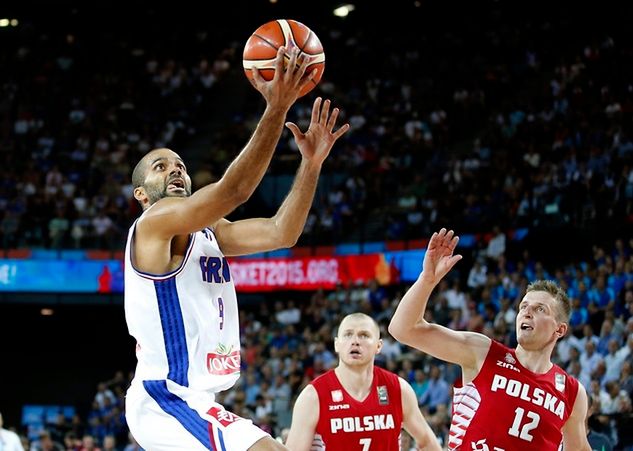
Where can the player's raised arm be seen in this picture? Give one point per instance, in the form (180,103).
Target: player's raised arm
(284,229)
(408,324)
(181,215)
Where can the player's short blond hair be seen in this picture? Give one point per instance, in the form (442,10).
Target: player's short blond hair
(559,295)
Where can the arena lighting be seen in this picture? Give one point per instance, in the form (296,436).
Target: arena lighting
(47,312)
(4,22)
(344,10)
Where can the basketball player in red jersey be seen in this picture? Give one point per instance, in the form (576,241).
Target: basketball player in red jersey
(510,399)
(357,406)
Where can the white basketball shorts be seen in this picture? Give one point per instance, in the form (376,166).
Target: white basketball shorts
(162,415)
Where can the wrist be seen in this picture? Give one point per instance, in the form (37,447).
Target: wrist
(311,165)
(427,280)
(276,109)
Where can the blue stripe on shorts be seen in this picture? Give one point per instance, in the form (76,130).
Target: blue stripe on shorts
(180,410)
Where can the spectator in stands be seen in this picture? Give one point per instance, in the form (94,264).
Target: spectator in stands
(437,391)
(597,439)
(9,440)
(46,443)
(497,244)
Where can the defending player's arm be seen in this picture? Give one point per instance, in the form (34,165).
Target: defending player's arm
(305,416)
(178,216)
(574,432)
(413,421)
(283,230)
(408,325)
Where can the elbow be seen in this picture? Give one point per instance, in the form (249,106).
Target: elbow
(289,241)
(405,333)
(285,234)
(396,331)
(286,240)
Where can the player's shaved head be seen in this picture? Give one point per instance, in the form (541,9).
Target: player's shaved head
(360,317)
(140,170)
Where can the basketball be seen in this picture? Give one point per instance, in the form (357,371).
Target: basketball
(261,49)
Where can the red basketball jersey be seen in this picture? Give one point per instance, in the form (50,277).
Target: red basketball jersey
(508,407)
(350,425)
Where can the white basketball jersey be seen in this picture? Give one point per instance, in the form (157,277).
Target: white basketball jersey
(185,322)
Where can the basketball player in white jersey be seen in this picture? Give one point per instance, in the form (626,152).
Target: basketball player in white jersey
(180,301)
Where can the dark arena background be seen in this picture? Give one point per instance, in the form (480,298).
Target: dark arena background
(509,123)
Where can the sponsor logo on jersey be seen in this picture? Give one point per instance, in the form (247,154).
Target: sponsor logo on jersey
(383,395)
(536,396)
(224,417)
(215,269)
(362,424)
(338,406)
(337,395)
(508,365)
(559,381)
(508,358)
(223,361)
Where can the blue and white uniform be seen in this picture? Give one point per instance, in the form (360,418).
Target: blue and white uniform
(188,348)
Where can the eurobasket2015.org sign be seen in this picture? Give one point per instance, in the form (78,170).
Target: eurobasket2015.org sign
(249,275)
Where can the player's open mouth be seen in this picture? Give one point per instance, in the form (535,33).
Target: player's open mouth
(355,352)
(525,326)
(176,184)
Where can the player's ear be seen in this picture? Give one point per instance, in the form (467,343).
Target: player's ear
(379,348)
(561,331)
(139,193)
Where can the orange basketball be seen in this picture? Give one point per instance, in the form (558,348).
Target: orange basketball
(261,49)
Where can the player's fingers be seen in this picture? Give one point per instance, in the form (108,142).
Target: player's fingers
(332,119)
(291,70)
(316,107)
(307,79)
(303,62)
(279,61)
(296,132)
(341,131)
(256,77)
(433,239)
(325,111)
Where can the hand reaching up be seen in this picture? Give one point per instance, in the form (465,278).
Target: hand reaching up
(439,258)
(316,143)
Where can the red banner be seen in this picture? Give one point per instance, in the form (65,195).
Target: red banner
(309,273)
